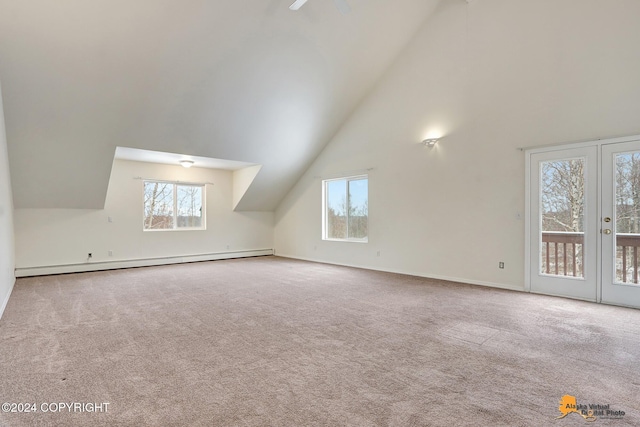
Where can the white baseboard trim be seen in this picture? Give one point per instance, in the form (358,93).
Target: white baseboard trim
(143,262)
(417,274)
(6,299)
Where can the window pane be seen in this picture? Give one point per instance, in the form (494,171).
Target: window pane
(358,209)
(336,198)
(562,200)
(189,206)
(158,205)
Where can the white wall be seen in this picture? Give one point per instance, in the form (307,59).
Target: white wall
(49,237)
(7,276)
(488,77)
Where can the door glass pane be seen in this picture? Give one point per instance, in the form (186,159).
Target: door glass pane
(562,202)
(627,216)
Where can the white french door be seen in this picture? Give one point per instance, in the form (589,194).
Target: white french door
(564,234)
(621,223)
(584,222)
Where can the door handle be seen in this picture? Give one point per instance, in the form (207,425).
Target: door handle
(607,219)
(606,231)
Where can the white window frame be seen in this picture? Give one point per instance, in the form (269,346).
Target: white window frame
(175,205)
(325,226)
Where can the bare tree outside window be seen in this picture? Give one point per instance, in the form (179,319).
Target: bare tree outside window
(346,209)
(627,217)
(170,206)
(158,205)
(628,193)
(562,201)
(189,206)
(358,209)
(562,195)
(336,209)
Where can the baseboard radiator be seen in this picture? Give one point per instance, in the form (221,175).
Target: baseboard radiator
(142,262)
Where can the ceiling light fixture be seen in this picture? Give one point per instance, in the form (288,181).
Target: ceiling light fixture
(430,142)
(186,163)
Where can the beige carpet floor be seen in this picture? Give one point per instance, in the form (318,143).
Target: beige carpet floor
(275,342)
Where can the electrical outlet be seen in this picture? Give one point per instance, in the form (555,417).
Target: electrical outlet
(89,255)
(378,254)
(110,253)
(501,264)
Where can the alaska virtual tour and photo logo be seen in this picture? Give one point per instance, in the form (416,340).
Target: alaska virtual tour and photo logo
(590,412)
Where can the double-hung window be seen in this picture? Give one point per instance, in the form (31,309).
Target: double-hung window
(346,209)
(173,206)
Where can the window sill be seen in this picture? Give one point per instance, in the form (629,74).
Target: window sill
(172,229)
(347,240)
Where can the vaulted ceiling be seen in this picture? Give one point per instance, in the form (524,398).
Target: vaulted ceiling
(242,80)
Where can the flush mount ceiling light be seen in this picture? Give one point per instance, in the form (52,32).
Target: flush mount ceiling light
(186,163)
(430,142)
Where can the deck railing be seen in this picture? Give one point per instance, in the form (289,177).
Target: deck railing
(627,245)
(563,255)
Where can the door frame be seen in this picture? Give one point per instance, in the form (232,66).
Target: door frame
(529,151)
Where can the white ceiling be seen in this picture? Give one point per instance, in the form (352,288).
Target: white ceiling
(241,80)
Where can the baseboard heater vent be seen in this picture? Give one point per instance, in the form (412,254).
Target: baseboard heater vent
(143,262)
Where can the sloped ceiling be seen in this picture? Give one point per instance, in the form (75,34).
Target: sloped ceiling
(244,80)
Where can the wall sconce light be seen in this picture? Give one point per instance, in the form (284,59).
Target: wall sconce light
(186,163)
(430,142)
